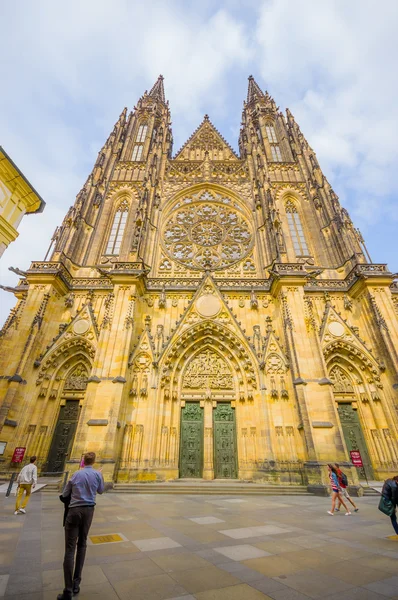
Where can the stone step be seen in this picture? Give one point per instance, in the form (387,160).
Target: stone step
(51,488)
(210,488)
(370,492)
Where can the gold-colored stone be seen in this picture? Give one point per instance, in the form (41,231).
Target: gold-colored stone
(206,278)
(106,539)
(17,198)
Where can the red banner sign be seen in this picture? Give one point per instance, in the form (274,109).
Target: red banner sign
(18,455)
(356,458)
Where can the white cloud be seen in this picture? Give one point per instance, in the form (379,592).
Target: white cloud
(72,67)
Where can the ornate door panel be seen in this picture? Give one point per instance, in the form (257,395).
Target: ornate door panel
(64,433)
(191,447)
(354,437)
(225,455)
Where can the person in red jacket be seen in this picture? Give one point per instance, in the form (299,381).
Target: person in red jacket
(343,488)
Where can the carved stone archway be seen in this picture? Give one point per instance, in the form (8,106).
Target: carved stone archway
(208,365)
(62,382)
(362,407)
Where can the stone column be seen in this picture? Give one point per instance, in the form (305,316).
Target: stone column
(208,450)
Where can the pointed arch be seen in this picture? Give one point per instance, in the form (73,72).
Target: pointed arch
(61,363)
(276,154)
(207,369)
(223,343)
(116,233)
(295,225)
(342,383)
(139,141)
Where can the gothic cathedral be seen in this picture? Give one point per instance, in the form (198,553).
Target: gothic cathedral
(206,315)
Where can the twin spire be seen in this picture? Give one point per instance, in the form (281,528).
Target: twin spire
(157,90)
(254,91)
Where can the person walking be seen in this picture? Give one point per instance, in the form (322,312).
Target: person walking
(26,480)
(343,482)
(390,493)
(336,495)
(82,489)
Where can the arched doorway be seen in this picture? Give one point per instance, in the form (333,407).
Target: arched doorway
(347,408)
(208,429)
(68,416)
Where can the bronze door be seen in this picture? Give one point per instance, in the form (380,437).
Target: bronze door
(354,437)
(64,434)
(225,454)
(191,446)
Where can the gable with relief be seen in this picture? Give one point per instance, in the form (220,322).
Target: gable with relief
(206,141)
(341,382)
(208,371)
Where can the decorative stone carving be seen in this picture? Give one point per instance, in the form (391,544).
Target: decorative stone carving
(341,382)
(208,371)
(205,233)
(208,305)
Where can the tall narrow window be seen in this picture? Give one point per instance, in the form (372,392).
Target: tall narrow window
(142,133)
(273,141)
(271,135)
(139,142)
(117,231)
(137,152)
(276,153)
(296,229)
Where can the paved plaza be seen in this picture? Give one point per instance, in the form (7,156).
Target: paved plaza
(204,547)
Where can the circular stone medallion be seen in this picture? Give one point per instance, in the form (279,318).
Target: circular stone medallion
(208,305)
(336,328)
(81,326)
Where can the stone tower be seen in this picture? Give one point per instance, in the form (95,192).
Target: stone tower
(207,315)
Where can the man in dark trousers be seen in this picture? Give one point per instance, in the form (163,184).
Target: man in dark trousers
(82,489)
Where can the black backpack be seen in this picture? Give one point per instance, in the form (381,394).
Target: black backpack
(344,479)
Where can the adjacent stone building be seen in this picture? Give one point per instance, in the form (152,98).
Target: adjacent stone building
(17,198)
(205,315)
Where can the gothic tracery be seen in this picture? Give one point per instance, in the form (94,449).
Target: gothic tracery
(207,231)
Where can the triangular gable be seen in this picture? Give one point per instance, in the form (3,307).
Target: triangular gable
(274,358)
(336,329)
(207,304)
(144,350)
(206,139)
(83,325)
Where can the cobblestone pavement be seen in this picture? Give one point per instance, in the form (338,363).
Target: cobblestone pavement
(204,547)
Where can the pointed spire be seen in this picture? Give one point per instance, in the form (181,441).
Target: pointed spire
(157,90)
(253,90)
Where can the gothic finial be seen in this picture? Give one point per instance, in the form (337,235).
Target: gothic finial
(157,90)
(253,90)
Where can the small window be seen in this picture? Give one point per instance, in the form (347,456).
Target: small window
(271,135)
(276,153)
(142,131)
(117,231)
(137,152)
(296,229)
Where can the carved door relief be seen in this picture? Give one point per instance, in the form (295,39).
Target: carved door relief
(354,437)
(64,434)
(225,453)
(191,446)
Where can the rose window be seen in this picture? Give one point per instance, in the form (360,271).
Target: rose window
(207,234)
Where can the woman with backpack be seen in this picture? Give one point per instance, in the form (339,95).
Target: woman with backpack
(343,483)
(389,500)
(336,495)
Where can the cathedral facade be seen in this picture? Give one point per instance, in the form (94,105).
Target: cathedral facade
(206,315)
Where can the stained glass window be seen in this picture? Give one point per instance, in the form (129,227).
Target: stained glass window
(296,229)
(117,231)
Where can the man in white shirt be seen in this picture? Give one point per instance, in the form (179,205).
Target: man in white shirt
(26,480)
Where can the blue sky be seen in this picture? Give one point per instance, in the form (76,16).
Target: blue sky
(68,69)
